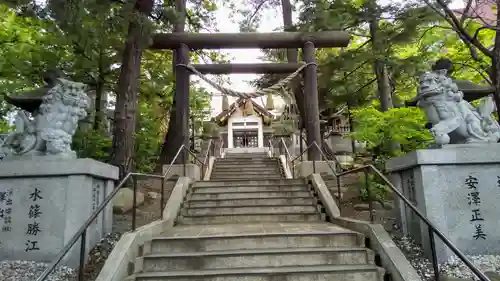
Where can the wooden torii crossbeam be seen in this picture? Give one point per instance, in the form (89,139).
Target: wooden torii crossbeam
(182,43)
(249,40)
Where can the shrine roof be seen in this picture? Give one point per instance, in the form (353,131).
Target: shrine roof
(240,102)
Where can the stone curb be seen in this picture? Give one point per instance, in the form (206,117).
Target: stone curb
(392,259)
(117,266)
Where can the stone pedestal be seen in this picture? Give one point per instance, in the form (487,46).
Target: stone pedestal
(44,201)
(457,188)
(191,171)
(304,169)
(340,144)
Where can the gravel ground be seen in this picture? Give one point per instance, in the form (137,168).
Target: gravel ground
(454,267)
(146,213)
(29,271)
(415,255)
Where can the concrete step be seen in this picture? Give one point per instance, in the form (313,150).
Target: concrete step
(250,217)
(247,164)
(250,157)
(246,156)
(255,258)
(250,173)
(285,273)
(246,161)
(182,244)
(251,201)
(239,169)
(248,177)
(236,168)
(244,195)
(251,188)
(250,182)
(258,154)
(249,209)
(261,153)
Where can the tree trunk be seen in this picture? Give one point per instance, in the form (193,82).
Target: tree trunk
(292,57)
(383,86)
(100,108)
(168,149)
(495,70)
(379,68)
(384,90)
(127,89)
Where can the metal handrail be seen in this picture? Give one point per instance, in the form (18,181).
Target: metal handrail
(430,226)
(271,147)
(82,231)
(207,154)
(211,144)
(286,148)
(287,157)
(221,148)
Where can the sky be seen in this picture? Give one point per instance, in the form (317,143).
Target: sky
(271,20)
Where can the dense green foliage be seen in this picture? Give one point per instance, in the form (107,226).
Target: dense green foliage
(409,38)
(89,50)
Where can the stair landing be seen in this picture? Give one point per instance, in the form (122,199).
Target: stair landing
(254,228)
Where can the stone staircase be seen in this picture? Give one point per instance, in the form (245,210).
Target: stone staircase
(248,223)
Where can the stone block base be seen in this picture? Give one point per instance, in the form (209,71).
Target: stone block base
(457,189)
(307,168)
(192,171)
(43,202)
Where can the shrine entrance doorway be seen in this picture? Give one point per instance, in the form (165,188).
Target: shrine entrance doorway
(246,138)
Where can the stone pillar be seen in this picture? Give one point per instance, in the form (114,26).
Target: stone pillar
(457,188)
(44,201)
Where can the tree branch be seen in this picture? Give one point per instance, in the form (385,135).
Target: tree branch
(257,9)
(466,10)
(455,23)
(479,71)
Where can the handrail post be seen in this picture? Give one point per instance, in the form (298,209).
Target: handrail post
(83,246)
(301,140)
(134,199)
(162,194)
(184,159)
(339,195)
(368,193)
(432,243)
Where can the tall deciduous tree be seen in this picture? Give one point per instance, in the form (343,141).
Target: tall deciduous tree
(172,142)
(128,85)
(292,56)
(195,17)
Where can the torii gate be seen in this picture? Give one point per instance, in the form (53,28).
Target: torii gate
(182,43)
